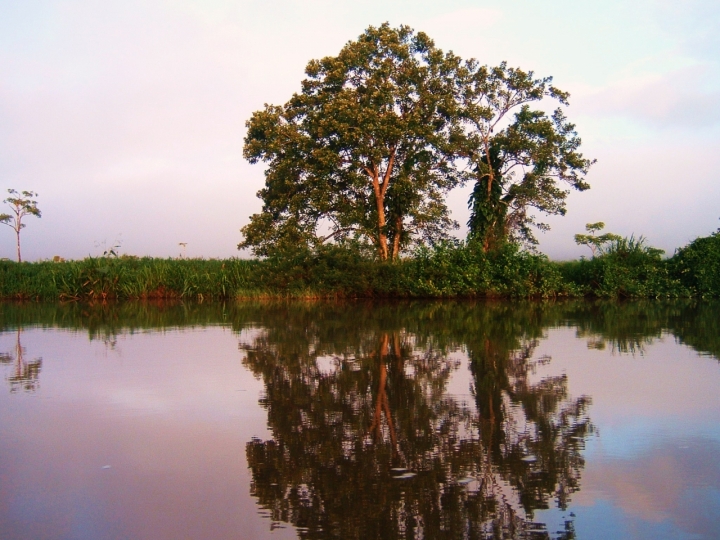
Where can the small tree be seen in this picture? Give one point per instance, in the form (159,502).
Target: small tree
(21,204)
(595,243)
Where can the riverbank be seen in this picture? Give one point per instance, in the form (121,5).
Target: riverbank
(449,270)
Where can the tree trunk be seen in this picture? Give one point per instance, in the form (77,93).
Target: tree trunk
(380,191)
(17,232)
(396,239)
(382,235)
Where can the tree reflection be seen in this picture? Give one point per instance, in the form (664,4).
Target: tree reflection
(368,444)
(24,373)
(625,327)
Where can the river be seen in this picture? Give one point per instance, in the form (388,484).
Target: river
(453,419)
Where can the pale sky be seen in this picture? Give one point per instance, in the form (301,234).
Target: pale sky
(128,117)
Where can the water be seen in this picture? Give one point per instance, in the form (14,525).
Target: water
(360,420)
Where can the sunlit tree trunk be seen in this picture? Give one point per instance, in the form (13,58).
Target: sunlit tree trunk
(17,233)
(382,404)
(380,189)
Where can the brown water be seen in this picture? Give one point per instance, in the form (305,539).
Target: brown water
(360,420)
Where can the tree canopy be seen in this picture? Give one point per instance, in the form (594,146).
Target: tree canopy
(363,150)
(518,162)
(595,243)
(380,133)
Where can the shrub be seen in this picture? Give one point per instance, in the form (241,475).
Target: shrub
(697,265)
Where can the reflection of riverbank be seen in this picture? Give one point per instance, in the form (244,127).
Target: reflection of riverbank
(169,413)
(622,326)
(485,399)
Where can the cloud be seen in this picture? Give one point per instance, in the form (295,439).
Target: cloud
(667,483)
(681,98)
(691,24)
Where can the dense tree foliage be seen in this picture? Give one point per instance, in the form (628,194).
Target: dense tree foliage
(363,150)
(519,163)
(380,133)
(698,265)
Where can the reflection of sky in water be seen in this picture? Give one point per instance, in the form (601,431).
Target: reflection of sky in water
(171,413)
(670,490)
(653,471)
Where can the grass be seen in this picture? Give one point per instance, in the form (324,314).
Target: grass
(627,269)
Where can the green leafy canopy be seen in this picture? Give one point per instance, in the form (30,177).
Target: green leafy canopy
(379,134)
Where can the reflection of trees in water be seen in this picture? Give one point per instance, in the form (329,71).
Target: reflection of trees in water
(621,326)
(357,389)
(533,433)
(628,327)
(24,373)
(374,448)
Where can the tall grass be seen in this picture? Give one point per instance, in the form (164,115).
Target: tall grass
(105,278)
(628,268)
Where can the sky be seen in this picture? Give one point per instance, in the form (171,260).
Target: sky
(128,117)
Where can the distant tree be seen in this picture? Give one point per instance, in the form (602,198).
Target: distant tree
(519,162)
(595,243)
(364,149)
(21,204)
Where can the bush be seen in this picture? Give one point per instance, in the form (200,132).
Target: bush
(697,266)
(627,268)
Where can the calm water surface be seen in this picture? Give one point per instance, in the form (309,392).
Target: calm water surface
(360,420)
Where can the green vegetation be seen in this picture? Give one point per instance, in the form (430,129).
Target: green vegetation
(698,265)
(358,164)
(379,134)
(595,243)
(626,268)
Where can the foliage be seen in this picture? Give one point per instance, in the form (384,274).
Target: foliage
(595,243)
(697,265)
(21,204)
(466,270)
(362,150)
(379,134)
(516,162)
(127,277)
(626,268)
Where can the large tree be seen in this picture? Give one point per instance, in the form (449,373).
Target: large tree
(522,159)
(363,151)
